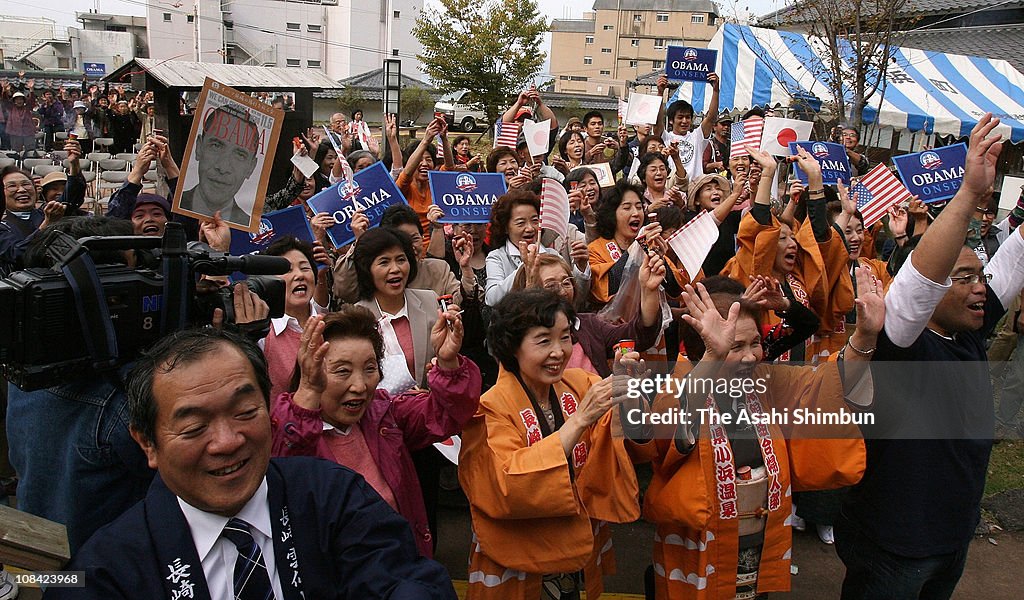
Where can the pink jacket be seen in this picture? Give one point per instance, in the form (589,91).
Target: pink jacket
(393,427)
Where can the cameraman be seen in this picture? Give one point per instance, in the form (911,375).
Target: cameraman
(70,444)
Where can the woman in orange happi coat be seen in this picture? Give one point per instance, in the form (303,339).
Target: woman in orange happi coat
(721,535)
(540,465)
(808,258)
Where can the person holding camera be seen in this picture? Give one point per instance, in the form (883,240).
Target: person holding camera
(70,445)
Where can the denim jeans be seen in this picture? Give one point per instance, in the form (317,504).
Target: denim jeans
(76,462)
(873,573)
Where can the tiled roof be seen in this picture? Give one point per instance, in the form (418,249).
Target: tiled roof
(573,25)
(697,6)
(996,41)
(914,8)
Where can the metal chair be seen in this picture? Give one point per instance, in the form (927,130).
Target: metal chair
(61,135)
(59,155)
(128,156)
(6,161)
(31,163)
(113,164)
(102,144)
(44,170)
(97,156)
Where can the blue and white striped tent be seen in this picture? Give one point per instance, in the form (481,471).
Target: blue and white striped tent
(924,91)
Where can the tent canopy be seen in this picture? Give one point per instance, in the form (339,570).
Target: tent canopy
(924,91)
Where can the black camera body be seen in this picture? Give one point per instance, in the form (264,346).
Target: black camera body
(51,332)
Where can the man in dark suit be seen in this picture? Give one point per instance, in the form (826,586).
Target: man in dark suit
(222,520)
(225,155)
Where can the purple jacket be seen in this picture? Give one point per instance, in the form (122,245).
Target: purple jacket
(597,337)
(392,427)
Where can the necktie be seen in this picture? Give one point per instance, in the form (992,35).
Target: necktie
(251,580)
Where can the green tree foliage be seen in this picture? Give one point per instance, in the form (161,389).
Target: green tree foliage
(415,101)
(491,47)
(351,99)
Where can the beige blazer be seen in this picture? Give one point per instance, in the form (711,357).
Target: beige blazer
(422,309)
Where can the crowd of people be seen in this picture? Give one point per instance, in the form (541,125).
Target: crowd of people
(177,476)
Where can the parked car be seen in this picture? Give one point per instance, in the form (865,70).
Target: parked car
(460,112)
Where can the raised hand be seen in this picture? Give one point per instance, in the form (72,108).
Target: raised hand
(652,271)
(898,221)
(718,333)
(446,337)
(462,247)
(808,164)
(360,223)
(320,223)
(713,80)
(435,214)
(216,233)
(870,302)
(312,349)
(767,293)
(579,254)
(528,252)
(982,155)
(849,202)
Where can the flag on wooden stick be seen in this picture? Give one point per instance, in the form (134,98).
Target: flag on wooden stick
(693,241)
(554,208)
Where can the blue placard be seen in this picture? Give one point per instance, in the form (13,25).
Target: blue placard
(933,175)
(835,165)
(690,64)
(466,197)
(287,221)
(374,191)
(99,69)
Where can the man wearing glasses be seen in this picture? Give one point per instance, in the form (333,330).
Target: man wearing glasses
(906,527)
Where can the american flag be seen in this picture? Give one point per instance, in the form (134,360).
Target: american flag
(745,134)
(507,134)
(554,208)
(693,241)
(876,192)
(440,148)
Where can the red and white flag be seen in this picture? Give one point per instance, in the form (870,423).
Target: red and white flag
(554,208)
(622,106)
(745,135)
(507,134)
(693,241)
(440,149)
(876,192)
(779,132)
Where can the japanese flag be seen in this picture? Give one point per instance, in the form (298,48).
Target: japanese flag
(538,136)
(779,132)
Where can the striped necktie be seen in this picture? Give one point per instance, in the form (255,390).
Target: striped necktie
(251,580)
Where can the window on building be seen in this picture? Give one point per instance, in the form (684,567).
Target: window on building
(638,18)
(167,17)
(697,19)
(577,78)
(398,14)
(314,28)
(313,64)
(608,27)
(229,25)
(662,18)
(190,18)
(659,43)
(632,64)
(293,27)
(590,39)
(293,62)
(658,64)
(604,72)
(116,28)
(394,52)
(634,43)
(606,50)
(588,60)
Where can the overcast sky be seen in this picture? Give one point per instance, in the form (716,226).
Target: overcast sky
(64,14)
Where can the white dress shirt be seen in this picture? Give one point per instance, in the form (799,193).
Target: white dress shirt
(289,322)
(218,554)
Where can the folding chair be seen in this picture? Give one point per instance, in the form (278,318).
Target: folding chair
(44,170)
(31,163)
(102,144)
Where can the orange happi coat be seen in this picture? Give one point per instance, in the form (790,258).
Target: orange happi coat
(821,271)
(697,541)
(604,253)
(534,511)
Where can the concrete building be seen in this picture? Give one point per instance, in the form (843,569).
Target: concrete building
(623,39)
(339,37)
(34,43)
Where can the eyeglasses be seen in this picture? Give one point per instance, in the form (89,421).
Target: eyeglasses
(24,184)
(552,286)
(973,278)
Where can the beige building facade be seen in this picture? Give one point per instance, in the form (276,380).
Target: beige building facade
(621,40)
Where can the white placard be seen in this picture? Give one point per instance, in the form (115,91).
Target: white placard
(1010,191)
(538,136)
(642,109)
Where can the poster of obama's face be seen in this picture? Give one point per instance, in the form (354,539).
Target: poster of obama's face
(228,158)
